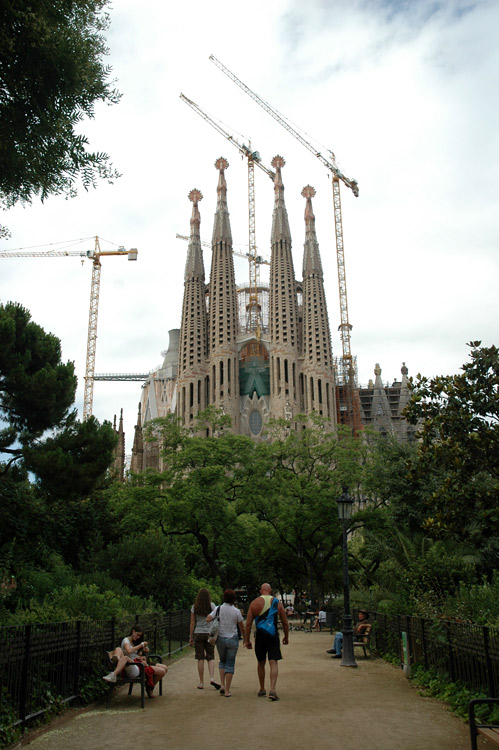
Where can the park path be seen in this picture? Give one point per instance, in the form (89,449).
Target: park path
(322,705)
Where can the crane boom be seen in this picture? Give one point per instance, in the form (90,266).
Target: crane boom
(259,258)
(331,166)
(243,149)
(47,254)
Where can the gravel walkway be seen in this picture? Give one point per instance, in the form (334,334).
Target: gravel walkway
(322,705)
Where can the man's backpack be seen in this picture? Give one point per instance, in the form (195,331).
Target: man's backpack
(266,623)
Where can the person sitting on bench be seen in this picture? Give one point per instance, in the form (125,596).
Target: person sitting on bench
(134,649)
(362,628)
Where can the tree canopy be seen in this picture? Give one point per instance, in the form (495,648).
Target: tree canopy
(459,417)
(51,76)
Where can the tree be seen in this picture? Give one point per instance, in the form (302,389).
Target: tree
(200,494)
(53,461)
(301,475)
(459,418)
(51,76)
(36,388)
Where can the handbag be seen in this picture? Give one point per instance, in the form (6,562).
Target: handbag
(267,623)
(215,628)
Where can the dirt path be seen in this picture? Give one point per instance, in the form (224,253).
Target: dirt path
(323,705)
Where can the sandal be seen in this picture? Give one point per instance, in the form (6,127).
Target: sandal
(228,695)
(273,696)
(261,693)
(222,691)
(215,684)
(200,686)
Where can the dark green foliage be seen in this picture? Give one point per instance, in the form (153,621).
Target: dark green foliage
(51,77)
(456,694)
(149,565)
(459,415)
(36,388)
(69,464)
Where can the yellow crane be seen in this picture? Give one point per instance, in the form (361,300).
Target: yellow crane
(253,157)
(95,255)
(350,413)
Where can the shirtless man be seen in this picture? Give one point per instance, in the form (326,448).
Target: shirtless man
(266,646)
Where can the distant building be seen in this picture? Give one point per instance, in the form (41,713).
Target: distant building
(382,406)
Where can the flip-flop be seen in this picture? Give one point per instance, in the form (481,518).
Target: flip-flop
(222,692)
(261,693)
(273,696)
(215,684)
(200,686)
(228,695)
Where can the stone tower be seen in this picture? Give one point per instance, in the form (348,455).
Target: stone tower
(283,310)
(317,386)
(192,375)
(223,325)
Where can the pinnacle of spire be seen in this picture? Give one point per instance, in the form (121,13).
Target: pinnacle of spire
(194,267)
(311,256)
(221,227)
(195,196)
(280,225)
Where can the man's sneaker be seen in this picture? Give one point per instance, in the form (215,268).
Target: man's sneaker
(330,651)
(111,677)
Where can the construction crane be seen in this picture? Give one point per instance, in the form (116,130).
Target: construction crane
(95,255)
(350,414)
(253,157)
(258,258)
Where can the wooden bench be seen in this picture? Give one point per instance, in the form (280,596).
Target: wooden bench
(490,731)
(122,679)
(364,642)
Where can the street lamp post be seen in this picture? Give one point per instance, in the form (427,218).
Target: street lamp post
(345,503)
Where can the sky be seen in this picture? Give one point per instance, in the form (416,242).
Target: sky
(404,93)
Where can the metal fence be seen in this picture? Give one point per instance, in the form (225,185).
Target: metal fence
(43,664)
(462,651)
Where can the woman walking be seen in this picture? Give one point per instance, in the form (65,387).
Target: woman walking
(230,620)
(198,637)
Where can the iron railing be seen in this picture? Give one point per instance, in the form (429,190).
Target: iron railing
(52,663)
(461,651)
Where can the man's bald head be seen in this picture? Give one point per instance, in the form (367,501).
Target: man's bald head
(265,589)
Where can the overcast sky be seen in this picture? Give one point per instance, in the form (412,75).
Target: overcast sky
(404,93)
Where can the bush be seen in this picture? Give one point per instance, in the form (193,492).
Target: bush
(81,602)
(150,565)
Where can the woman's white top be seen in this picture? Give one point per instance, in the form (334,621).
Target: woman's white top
(128,642)
(229,617)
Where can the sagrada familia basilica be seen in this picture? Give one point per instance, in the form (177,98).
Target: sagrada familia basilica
(282,367)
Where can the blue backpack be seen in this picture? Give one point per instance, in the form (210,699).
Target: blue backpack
(266,623)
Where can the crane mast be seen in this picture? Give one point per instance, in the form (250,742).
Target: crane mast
(95,255)
(253,157)
(348,367)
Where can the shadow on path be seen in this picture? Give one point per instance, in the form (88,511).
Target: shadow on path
(322,705)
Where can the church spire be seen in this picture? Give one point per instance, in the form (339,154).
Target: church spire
(317,367)
(280,224)
(223,309)
(194,266)
(193,332)
(283,309)
(221,227)
(311,257)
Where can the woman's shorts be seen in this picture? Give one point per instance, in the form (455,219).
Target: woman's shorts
(203,649)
